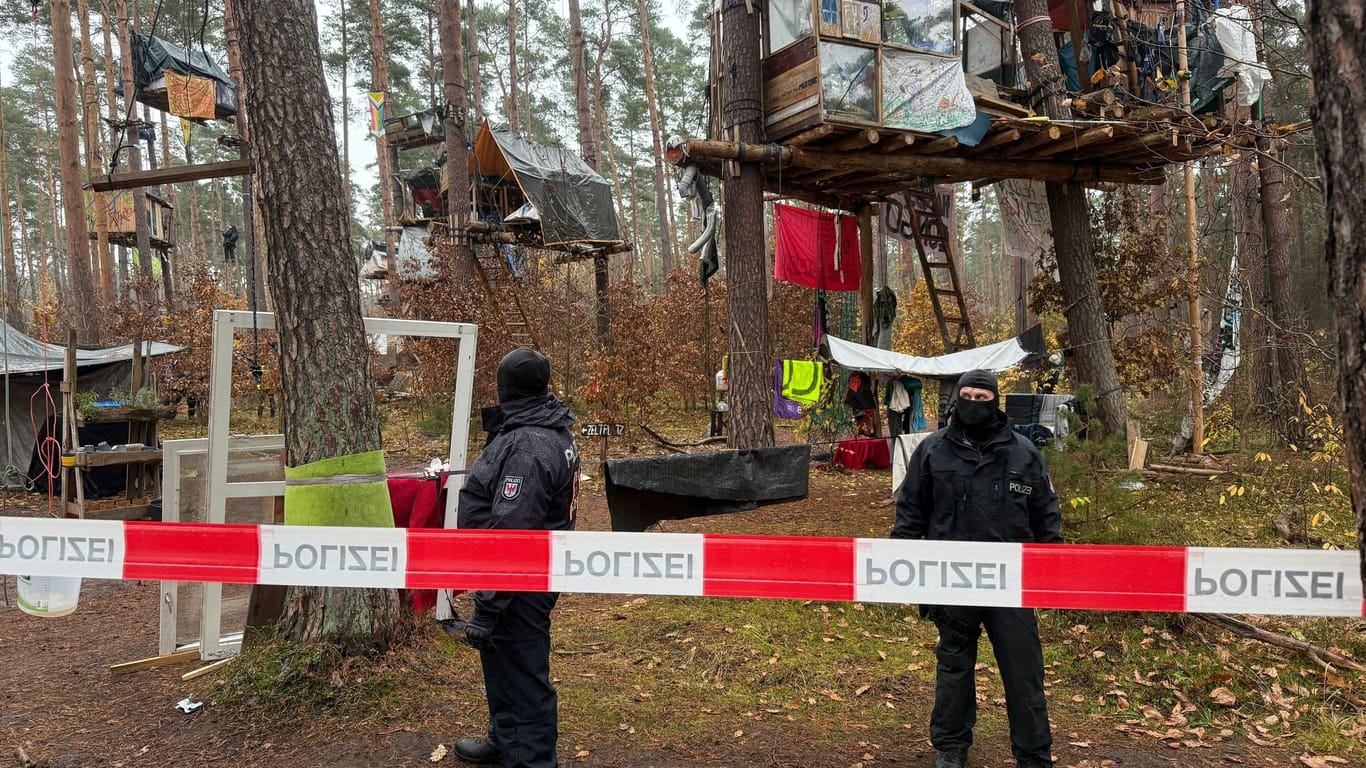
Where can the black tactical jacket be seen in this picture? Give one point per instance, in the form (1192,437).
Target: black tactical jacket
(526,478)
(997,490)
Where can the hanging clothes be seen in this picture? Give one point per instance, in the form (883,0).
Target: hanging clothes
(783,407)
(802,380)
(884,314)
(807,251)
(862,400)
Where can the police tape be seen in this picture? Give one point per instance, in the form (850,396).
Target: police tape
(1080,576)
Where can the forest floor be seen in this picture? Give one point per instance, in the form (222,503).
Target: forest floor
(693,683)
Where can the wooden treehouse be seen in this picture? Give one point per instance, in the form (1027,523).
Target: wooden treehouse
(862,99)
(871,101)
(122,227)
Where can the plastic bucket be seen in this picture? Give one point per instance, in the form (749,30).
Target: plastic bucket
(49,595)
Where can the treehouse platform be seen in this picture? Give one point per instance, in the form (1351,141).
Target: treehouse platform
(862,99)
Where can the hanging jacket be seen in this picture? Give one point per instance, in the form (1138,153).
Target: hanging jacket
(997,490)
(526,478)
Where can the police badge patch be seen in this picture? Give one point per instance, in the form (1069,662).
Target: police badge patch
(512,487)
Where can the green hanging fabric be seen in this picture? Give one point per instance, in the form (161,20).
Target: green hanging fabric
(802,381)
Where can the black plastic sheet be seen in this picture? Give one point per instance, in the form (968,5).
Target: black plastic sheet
(641,492)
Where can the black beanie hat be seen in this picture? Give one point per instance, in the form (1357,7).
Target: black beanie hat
(981,380)
(523,373)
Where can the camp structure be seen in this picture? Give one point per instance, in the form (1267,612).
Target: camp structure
(419,129)
(27,365)
(862,100)
(181,82)
(122,231)
(539,196)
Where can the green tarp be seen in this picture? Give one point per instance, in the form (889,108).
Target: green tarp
(574,202)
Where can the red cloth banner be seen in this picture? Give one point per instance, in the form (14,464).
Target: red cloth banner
(808,253)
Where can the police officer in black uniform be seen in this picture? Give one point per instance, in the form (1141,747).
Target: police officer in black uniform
(526,478)
(978,480)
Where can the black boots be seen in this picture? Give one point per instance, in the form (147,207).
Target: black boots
(951,758)
(479,751)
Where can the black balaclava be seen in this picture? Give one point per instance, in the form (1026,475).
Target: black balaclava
(977,420)
(523,373)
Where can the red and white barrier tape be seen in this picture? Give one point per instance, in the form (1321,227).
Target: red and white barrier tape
(1127,578)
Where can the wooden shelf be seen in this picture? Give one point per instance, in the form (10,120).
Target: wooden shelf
(117,458)
(91,512)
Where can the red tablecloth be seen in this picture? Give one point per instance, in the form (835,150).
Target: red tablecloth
(418,503)
(863,453)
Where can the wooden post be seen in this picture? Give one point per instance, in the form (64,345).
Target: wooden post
(1193,255)
(865,288)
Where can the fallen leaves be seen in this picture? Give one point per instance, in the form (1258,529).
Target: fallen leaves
(1223,697)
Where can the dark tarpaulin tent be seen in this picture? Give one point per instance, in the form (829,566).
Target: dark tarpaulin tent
(25,363)
(574,202)
(154,57)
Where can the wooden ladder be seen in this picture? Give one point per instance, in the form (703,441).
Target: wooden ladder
(938,263)
(500,285)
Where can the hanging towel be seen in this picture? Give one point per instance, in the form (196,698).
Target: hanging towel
(808,253)
(783,408)
(802,380)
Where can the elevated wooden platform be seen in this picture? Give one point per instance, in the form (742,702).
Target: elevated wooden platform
(844,166)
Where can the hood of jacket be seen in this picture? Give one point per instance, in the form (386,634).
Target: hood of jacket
(544,411)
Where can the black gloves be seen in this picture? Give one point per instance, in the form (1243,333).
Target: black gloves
(479,632)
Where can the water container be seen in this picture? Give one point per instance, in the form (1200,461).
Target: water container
(49,595)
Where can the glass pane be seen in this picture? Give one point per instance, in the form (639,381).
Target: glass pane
(849,82)
(925,25)
(788,22)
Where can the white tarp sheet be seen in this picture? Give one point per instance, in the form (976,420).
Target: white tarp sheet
(25,354)
(992,357)
(1233,29)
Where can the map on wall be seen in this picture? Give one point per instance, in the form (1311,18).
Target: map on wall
(849,82)
(925,25)
(924,93)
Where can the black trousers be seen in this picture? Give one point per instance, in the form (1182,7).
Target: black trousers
(523,708)
(898,422)
(1014,635)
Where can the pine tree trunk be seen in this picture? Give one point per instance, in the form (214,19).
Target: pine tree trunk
(13,311)
(1070,215)
(457,148)
(82,311)
(751,372)
(513,100)
(666,253)
(328,409)
(252,258)
(604,125)
(146,292)
(1337,33)
(474,69)
(1291,384)
(379,81)
(588,149)
(94,159)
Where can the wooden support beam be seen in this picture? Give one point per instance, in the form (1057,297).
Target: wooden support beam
(935,146)
(1077,141)
(996,139)
(173,175)
(1048,135)
(897,143)
(810,135)
(833,200)
(863,138)
(916,165)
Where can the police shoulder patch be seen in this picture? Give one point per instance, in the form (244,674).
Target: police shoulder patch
(512,486)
